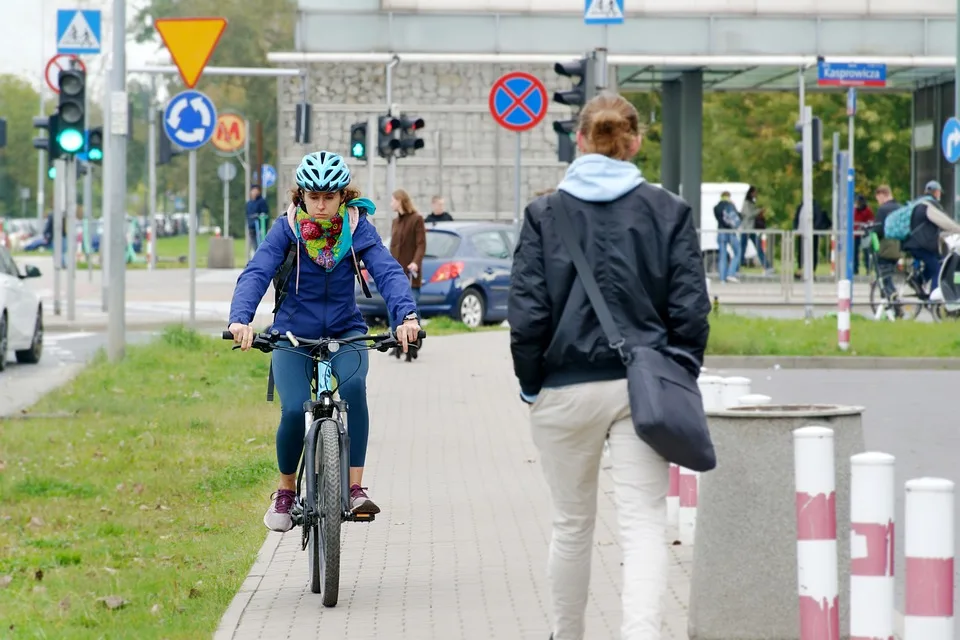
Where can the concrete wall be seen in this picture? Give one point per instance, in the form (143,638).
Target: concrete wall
(477,169)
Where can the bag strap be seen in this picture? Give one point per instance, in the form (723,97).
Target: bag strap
(590,286)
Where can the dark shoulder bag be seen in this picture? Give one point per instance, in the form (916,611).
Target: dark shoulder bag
(665,401)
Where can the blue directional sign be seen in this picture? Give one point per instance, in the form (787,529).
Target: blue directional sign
(851,74)
(950,140)
(78,31)
(603,11)
(190,119)
(268,175)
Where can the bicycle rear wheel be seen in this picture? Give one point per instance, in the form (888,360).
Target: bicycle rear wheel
(331,510)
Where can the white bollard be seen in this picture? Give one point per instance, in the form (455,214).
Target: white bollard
(872,491)
(733,388)
(816,504)
(687,516)
(753,400)
(929,550)
(711,390)
(843,314)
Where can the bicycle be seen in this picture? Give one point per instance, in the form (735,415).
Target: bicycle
(323,496)
(909,296)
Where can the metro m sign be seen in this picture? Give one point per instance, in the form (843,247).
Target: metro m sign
(230,134)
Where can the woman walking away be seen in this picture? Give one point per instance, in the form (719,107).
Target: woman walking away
(641,246)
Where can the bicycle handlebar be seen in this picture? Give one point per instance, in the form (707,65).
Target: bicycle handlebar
(267,341)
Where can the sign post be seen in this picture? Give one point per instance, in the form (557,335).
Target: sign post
(603,12)
(226,172)
(190,117)
(518,102)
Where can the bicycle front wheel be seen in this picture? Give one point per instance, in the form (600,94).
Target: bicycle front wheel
(331,509)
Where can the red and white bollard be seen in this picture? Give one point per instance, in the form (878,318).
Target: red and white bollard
(673,497)
(149,244)
(929,550)
(843,314)
(871,546)
(816,502)
(732,389)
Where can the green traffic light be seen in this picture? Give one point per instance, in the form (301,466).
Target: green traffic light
(70,140)
(357,150)
(52,173)
(95,155)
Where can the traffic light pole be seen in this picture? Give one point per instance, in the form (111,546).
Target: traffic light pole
(116,323)
(41,174)
(391,159)
(371,144)
(88,219)
(71,238)
(806,216)
(152,177)
(59,201)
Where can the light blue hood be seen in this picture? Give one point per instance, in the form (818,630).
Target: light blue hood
(597,178)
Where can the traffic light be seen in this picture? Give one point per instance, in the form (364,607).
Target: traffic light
(566,147)
(358,141)
(3,132)
(95,145)
(166,149)
(49,143)
(72,110)
(387,136)
(584,89)
(302,132)
(410,142)
(816,134)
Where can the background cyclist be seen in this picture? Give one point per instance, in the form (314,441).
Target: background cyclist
(327,222)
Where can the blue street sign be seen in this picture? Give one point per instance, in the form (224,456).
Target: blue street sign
(603,11)
(851,101)
(268,173)
(190,119)
(950,140)
(851,74)
(78,31)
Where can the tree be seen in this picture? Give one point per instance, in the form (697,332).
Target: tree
(18,161)
(253,29)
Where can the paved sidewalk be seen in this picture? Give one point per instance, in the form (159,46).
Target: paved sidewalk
(459,550)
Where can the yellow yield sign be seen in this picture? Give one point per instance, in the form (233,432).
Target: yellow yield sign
(191,42)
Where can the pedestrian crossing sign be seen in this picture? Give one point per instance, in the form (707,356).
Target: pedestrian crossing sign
(603,11)
(78,31)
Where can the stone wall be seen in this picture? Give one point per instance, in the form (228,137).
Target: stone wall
(476,156)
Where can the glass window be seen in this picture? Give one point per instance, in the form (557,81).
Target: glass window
(7,265)
(490,244)
(441,244)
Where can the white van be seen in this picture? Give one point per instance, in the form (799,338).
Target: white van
(709,197)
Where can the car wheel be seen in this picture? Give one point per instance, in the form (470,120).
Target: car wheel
(471,308)
(32,355)
(3,341)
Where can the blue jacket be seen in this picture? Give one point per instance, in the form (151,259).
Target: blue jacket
(320,304)
(254,209)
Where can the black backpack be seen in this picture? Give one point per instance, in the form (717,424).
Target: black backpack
(281,284)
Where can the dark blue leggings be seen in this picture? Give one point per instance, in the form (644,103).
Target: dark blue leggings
(292,374)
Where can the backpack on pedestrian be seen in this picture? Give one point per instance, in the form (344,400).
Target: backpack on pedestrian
(897,224)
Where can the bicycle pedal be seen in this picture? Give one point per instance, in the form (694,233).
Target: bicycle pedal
(362,517)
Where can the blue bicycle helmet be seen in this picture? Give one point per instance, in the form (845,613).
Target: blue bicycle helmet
(323,171)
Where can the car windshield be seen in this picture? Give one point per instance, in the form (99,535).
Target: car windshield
(441,244)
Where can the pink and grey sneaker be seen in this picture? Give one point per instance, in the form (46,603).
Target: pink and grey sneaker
(277,517)
(360,502)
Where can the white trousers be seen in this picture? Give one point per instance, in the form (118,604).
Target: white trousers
(569,427)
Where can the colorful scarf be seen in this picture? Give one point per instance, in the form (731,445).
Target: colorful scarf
(328,241)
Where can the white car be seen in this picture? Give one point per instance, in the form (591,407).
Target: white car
(21,313)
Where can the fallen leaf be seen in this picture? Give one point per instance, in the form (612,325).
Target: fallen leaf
(117,390)
(194,593)
(121,487)
(110,570)
(39,589)
(144,507)
(163,507)
(138,488)
(155,609)
(5,581)
(65,604)
(248,441)
(36,522)
(196,394)
(3,465)
(38,575)
(113,602)
(106,510)
(97,454)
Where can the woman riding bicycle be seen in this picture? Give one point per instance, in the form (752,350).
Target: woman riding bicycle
(327,224)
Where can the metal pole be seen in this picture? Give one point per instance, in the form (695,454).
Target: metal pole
(59,201)
(116,328)
(807,214)
(440,163)
(193,236)
(106,203)
(834,205)
(226,209)
(850,124)
(516,188)
(41,162)
(391,160)
(88,218)
(601,73)
(371,145)
(247,166)
(71,239)
(152,175)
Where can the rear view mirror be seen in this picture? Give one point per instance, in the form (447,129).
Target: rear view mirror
(31,271)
